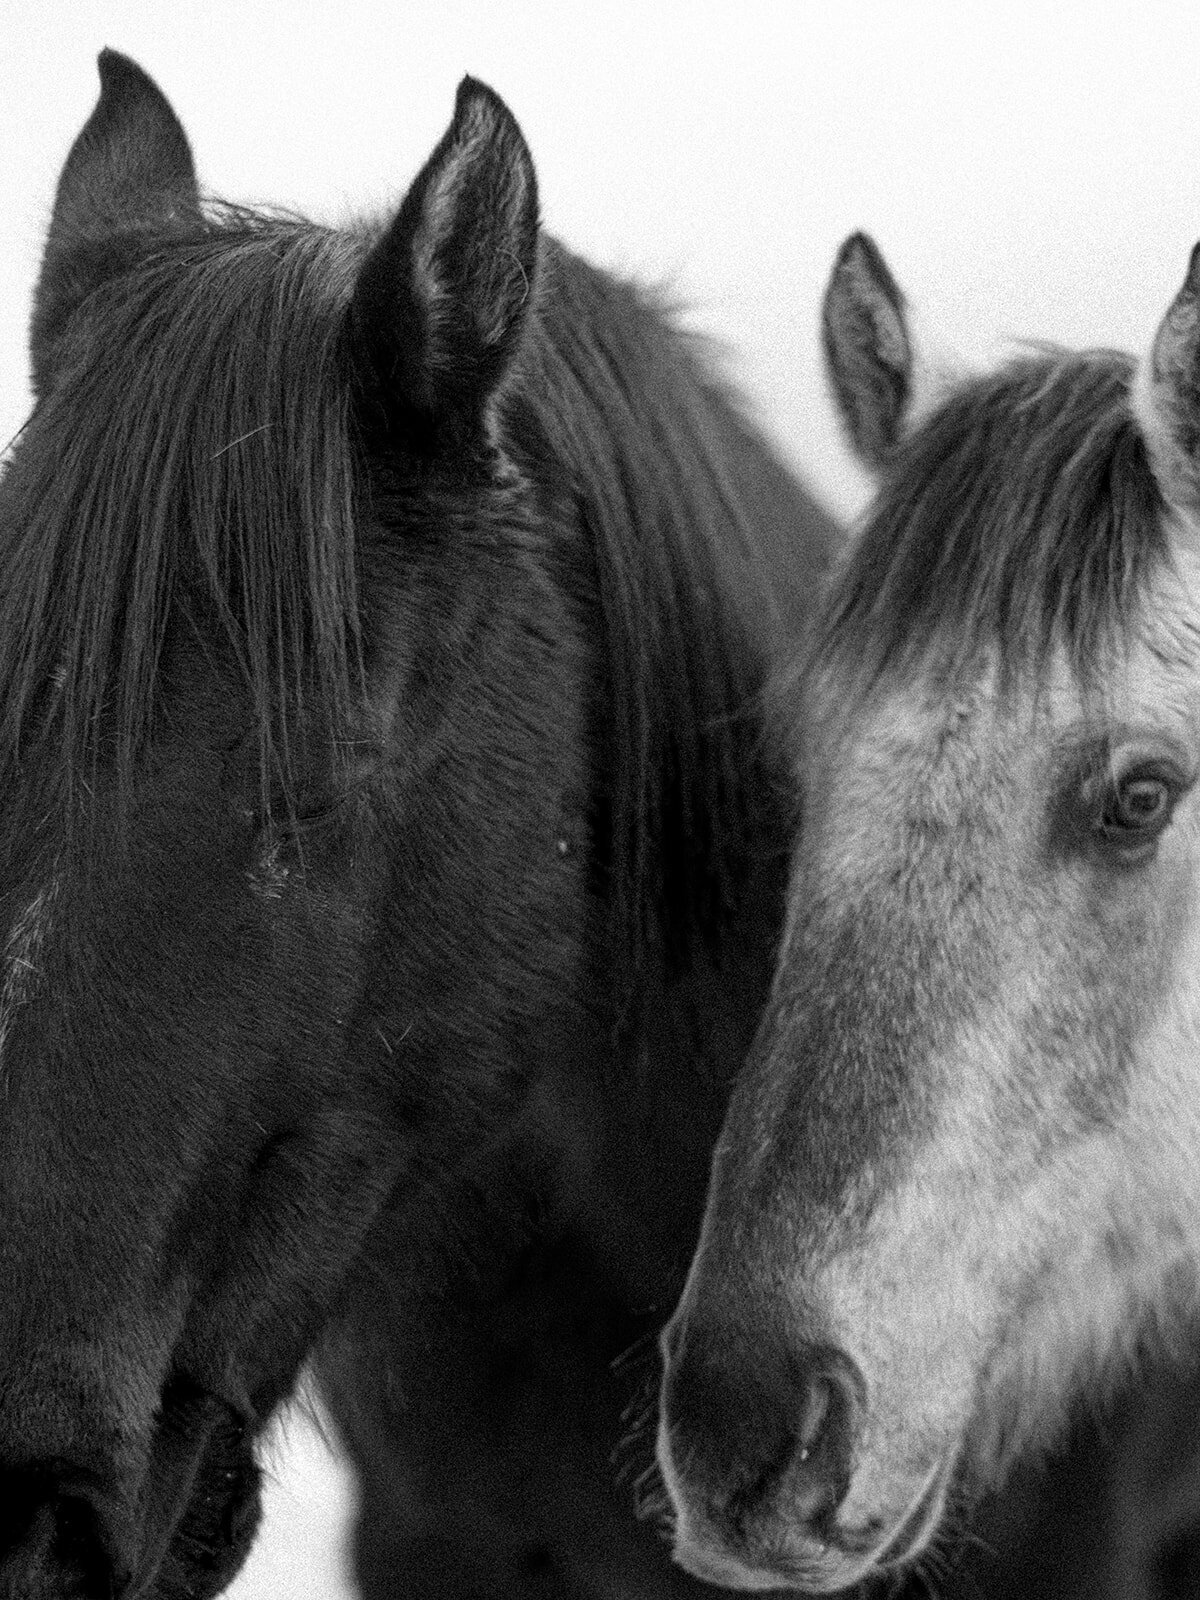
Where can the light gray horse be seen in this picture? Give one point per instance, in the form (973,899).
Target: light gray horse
(961,1164)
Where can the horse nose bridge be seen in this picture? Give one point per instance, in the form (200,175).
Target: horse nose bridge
(87,1329)
(836,1088)
(94,1292)
(78,1256)
(82,1397)
(91,1168)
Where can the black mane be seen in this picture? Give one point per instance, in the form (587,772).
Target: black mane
(676,502)
(1024,516)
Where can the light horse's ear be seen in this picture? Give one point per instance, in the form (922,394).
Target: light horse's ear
(129,171)
(1166,395)
(440,302)
(868,352)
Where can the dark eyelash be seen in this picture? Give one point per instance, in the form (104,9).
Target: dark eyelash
(294,818)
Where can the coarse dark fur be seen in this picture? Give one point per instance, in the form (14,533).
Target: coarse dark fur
(391,866)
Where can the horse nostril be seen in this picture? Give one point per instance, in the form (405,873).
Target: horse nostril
(814,1413)
(830,1400)
(751,1431)
(58,1529)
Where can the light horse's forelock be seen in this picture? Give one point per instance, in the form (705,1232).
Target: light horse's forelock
(1023,518)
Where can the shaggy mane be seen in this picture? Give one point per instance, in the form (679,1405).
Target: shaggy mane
(706,558)
(1024,516)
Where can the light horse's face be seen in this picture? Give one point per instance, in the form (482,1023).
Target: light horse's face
(964,1157)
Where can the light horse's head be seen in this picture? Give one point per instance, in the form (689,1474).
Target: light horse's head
(964,1156)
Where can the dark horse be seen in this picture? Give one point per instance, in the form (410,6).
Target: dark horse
(390,873)
(962,1168)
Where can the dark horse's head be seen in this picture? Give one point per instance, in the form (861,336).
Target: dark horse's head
(289,793)
(963,1158)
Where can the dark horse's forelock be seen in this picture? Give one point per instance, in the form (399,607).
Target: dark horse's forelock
(210,475)
(206,466)
(1024,517)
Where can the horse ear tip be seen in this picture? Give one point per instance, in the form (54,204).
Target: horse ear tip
(123,83)
(117,70)
(476,99)
(472,88)
(861,258)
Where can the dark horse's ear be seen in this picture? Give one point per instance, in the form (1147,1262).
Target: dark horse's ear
(436,315)
(1166,395)
(868,353)
(129,171)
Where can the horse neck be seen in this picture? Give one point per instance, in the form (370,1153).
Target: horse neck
(704,558)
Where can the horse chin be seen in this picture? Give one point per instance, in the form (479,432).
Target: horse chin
(844,1555)
(203,1502)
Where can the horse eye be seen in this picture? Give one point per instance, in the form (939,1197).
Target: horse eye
(1136,808)
(284,820)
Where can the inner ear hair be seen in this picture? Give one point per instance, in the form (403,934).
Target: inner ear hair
(867,349)
(1165,395)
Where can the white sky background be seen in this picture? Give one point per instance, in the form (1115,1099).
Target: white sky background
(1030,171)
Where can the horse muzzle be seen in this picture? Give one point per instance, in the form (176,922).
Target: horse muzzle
(63,1534)
(760,1456)
(74,1531)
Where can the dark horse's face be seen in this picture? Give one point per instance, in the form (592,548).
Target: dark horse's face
(278,819)
(963,1156)
(190,1133)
